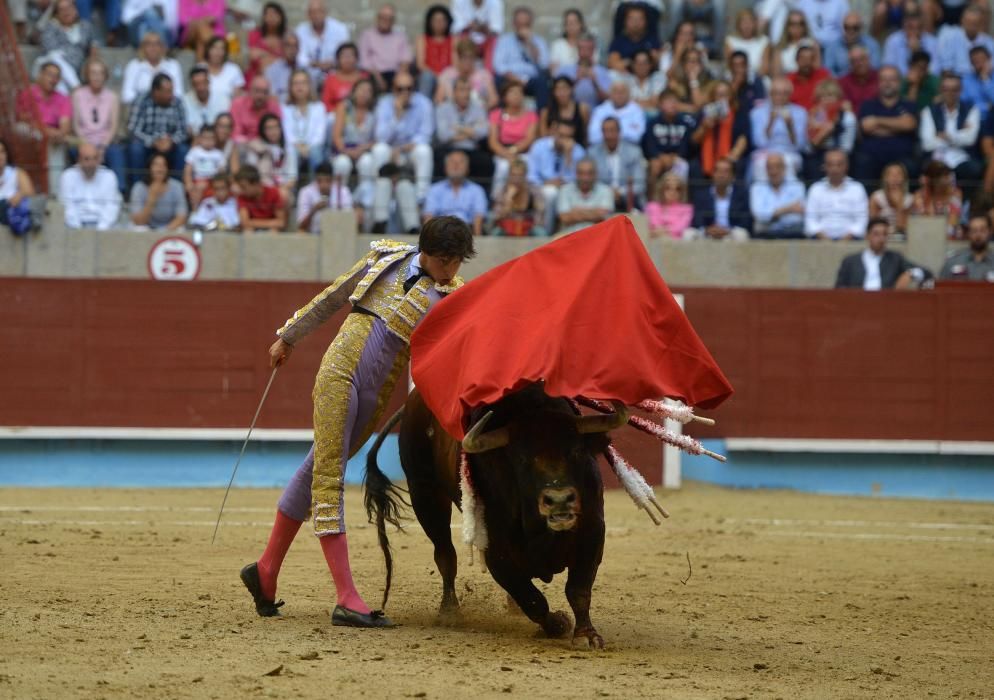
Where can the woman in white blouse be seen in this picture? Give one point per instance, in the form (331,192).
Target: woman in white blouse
(795,35)
(749,41)
(227,79)
(563,50)
(644,83)
(305,121)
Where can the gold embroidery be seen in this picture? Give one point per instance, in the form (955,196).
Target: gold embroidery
(385,245)
(332,395)
(399,363)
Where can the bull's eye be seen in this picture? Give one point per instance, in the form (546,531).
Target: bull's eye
(546,501)
(571,498)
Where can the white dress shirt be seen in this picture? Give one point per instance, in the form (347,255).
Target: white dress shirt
(319,47)
(953,150)
(836,211)
(630,117)
(871,263)
(764,199)
(138,76)
(305,126)
(489,12)
(90,203)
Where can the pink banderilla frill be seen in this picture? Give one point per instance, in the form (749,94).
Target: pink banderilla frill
(631,479)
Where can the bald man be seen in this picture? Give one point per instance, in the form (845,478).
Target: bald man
(835,56)
(620,106)
(320,36)
(248,110)
(88,192)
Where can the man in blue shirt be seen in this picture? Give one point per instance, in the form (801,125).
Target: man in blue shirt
(978,84)
(912,37)
(836,56)
(405,123)
(457,196)
(523,55)
(889,128)
(591,81)
(955,42)
(552,163)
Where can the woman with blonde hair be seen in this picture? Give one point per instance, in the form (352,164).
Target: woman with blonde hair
(96,114)
(670,214)
(795,35)
(749,41)
(893,201)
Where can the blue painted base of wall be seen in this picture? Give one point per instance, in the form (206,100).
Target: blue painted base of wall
(957,477)
(166,463)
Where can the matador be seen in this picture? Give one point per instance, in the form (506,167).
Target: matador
(390,289)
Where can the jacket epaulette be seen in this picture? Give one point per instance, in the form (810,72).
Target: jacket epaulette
(385,245)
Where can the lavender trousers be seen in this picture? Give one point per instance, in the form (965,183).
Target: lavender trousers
(378,355)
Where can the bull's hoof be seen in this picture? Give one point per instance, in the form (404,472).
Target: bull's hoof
(587,638)
(557,624)
(449,613)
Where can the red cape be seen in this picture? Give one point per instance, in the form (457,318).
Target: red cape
(588,313)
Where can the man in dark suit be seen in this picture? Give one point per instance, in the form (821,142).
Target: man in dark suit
(721,211)
(876,267)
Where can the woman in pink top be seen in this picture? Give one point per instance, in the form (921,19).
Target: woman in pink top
(266,43)
(512,131)
(199,22)
(670,214)
(96,114)
(338,83)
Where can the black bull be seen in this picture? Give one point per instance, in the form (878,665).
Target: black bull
(535,472)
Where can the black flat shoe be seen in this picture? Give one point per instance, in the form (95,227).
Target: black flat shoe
(250,577)
(343,617)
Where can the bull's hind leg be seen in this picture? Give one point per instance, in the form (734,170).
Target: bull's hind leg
(528,597)
(434,511)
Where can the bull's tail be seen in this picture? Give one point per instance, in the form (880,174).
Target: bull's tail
(383,500)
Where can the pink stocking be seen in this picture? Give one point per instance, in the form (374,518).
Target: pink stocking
(336,553)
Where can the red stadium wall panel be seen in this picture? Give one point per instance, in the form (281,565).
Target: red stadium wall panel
(805,364)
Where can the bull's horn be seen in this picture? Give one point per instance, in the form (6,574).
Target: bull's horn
(478,441)
(603,423)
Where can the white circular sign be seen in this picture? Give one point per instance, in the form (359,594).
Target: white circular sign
(174,259)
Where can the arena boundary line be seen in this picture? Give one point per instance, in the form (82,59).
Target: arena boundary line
(940,447)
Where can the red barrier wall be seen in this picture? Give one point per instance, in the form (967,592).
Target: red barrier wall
(815,364)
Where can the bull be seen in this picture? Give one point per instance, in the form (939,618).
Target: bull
(533,461)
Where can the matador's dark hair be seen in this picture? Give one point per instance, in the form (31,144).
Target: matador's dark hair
(447,237)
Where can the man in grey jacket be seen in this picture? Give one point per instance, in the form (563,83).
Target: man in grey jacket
(620,166)
(876,267)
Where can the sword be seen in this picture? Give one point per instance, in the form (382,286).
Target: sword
(242,453)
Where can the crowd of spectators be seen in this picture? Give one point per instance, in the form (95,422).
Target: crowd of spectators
(794,119)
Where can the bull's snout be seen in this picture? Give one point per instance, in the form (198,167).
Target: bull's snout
(560,507)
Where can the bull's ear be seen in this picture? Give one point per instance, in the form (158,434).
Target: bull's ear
(596,442)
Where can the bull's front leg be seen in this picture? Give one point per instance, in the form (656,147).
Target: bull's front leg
(527,596)
(580,583)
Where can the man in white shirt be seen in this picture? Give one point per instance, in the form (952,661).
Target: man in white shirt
(320,37)
(777,205)
(89,192)
(837,205)
(948,130)
(139,72)
(202,107)
(630,116)
(481,18)
(585,202)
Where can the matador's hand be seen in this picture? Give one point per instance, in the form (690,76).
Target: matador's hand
(279,353)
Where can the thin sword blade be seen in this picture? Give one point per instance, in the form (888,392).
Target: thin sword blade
(242,453)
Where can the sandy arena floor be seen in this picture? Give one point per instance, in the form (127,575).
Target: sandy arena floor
(119,594)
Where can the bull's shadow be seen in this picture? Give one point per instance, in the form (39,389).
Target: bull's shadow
(533,465)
